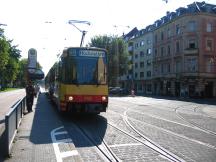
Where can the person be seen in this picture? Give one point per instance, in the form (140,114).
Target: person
(30,92)
(37,90)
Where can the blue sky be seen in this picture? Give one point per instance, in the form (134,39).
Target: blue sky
(26,19)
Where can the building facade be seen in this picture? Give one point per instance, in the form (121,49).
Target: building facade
(142,61)
(184,61)
(176,55)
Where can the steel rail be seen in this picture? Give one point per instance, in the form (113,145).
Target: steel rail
(103,148)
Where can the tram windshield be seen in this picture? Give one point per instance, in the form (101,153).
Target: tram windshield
(85,70)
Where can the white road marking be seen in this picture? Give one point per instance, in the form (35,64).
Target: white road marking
(60,155)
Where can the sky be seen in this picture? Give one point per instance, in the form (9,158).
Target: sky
(28,28)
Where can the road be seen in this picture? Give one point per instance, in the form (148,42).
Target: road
(7,100)
(133,129)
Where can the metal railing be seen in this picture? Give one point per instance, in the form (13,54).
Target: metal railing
(12,122)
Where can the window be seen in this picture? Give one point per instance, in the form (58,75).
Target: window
(149,51)
(148,73)
(192,26)
(177,29)
(168,50)
(140,87)
(141,54)
(142,43)
(209,27)
(162,68)
(135,75)
(191,44)
(162,36)
(141,74)
(155,52)
(209,44)
(177,47)
(168,33)
(149,88)
(141,64)
(191,64)
(136,56)
(178,66)
(156,38)
(162,51)
(210,65)
(136,65)
(168,68)
(148,62)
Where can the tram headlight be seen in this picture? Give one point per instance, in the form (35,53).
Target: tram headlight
(70,98)
(103,98)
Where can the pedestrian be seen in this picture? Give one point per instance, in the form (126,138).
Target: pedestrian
(30,92)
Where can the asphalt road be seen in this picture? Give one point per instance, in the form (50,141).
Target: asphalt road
(7,100)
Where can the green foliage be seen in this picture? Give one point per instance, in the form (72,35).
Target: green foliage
(4,53)
(117,55)
(21,76)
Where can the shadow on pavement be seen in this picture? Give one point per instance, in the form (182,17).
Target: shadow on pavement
(47,118)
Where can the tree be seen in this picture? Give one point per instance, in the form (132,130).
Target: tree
(117,55)
(4,54)
(4,58)
(12,67)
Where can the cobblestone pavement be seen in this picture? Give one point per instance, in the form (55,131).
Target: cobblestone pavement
(179,126)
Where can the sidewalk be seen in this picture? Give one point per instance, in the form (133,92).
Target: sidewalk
(33,142)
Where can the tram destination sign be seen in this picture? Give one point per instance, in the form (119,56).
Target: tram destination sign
(86,53)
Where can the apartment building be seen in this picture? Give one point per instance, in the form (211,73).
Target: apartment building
(126,80)
(177,54)
(142,61)
(184,59)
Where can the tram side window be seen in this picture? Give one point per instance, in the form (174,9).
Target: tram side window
(70,73)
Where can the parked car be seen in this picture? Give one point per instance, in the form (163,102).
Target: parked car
(118,91)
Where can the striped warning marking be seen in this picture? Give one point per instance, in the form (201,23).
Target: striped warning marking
(61,155)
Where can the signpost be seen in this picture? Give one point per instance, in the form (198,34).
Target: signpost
(33,71)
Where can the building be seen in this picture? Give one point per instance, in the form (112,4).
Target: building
(126,80)
(185,52)
(176,55)
(142,60)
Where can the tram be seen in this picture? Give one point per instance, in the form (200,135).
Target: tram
(78,81)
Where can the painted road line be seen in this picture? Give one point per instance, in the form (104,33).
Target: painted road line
(60,155)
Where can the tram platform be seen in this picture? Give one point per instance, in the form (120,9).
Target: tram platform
(33,141)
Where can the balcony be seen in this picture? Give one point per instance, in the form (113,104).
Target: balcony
(191,51)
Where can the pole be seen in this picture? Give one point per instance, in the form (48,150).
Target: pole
(71,22)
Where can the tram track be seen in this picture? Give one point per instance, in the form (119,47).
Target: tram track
(146,141)
(189,125)
(186,140)
(104,150)
(152,145)
(193,123)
